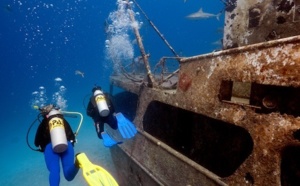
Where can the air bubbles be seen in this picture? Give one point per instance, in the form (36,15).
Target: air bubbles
(107,43)
(40,98)
(58,79)
(119,45)
(62,88)
(42,21)
(135,25)
(59,97)
(47,5)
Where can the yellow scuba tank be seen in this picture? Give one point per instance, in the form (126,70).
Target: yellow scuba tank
(101,103)
(57,131)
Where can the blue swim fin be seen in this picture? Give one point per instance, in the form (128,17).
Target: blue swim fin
(108,141)
(126,127)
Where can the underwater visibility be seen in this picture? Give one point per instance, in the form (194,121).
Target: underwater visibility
(155,92)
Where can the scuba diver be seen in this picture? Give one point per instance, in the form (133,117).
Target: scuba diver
(101,109)
(55,139)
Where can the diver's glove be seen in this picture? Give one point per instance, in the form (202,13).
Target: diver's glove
(126,127)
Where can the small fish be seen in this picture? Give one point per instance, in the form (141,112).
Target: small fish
(202,15)
(77,72)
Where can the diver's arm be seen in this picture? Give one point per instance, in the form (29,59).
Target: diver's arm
(38,136)
(90,109)
(69,132)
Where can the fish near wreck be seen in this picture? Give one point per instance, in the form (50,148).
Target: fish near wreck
(202,15)
(77,72)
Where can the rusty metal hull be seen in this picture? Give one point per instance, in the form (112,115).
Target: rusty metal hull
(201,80)
(253,21)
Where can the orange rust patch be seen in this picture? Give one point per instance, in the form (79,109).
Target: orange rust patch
(184,82)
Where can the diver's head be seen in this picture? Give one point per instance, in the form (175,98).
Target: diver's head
(46,109)
(96,88)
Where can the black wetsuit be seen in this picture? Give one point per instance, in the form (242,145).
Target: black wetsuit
(42,136)
(54,160)
(99,121)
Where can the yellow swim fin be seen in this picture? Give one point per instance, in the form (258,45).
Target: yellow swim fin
(94,174)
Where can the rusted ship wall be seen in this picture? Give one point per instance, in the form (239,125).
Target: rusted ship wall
(273,66)
(199,88)
(253,21)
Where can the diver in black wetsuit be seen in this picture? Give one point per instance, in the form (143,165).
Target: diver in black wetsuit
(93,112)
(43,141)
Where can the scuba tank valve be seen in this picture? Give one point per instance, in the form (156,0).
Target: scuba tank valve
(101,103)
(57,131)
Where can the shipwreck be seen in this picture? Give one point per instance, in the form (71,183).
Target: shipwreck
(230,117)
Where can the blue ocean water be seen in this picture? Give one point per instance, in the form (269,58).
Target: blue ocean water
(44,42)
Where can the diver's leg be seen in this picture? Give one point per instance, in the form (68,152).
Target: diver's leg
(99,126)
(52,163)
(111,120)
(67,160)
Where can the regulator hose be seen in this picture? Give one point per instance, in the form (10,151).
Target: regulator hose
(28,131)
(80,122)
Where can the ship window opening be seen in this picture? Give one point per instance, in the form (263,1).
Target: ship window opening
(214,144)
(290,166)
(236,92)
(263,98)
